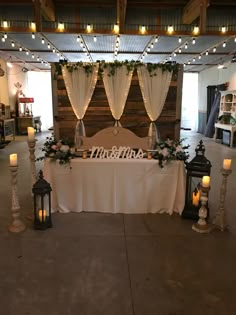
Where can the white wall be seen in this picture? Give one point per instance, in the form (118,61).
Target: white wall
(4,95)
(15,75)
(40,88)
(189,107)
(214,76)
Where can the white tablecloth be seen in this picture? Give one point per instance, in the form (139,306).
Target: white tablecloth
(116,186)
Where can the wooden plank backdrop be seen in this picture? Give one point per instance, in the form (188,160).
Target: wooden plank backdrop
(98,115)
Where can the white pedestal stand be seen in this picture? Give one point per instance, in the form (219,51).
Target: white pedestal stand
(220,218)
(31,146)
(16,225)
(202,226)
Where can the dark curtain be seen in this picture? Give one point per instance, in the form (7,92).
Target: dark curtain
(213,105)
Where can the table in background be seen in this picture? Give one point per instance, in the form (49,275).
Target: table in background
(28,121)
(8,127)
(228,127)
(116,186)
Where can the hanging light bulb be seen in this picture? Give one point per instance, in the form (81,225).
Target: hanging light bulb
(116,28)
(33,36)
(5,35)
(206,53)
(95,38)
(180,39)
(152,45)
(89,28)
(12,44)
(20,48)
(214,49)
(53,50)
(42,41)
(224,44)
(5,24)
(32,56)
(193,41)
(170,29)
(78,38)
(180,50)
(61,26)
(27,53)
(196,30)
(199,57)
(186,46)
(156,39)
(3,39)
(223,29)
(143,29)
(49,46)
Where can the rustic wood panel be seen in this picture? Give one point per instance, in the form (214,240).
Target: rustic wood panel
(98,115)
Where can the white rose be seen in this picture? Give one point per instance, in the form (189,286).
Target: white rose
(64,148)
(72,150)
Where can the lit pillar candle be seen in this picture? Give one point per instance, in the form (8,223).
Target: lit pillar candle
(42,215)
(226,164)
(30,133)
(195,198)
(13,159)
(206,181)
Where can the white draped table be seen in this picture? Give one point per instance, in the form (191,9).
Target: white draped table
(116,186)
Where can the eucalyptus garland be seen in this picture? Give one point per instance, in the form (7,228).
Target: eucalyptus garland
(112,66)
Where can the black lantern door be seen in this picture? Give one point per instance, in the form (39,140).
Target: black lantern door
(198,167)
(42,203)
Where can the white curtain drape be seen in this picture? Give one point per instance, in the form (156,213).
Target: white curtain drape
(80,87)
(154,88)
(117,89)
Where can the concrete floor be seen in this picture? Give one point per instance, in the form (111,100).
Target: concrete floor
(115,264)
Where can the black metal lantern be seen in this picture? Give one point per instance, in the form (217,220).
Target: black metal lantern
(198,167)
(42,203)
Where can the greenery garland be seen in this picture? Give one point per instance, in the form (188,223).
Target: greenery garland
(130,66)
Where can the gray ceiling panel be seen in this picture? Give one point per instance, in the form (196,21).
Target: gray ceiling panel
(103,43)
(134,43)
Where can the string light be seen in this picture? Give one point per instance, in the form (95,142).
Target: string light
(33,36)
(5,24)
(170,29)
(180,40)
(206,53)
(214,49)
(116,28)
(12,44)
(223,29)
(193,41)
(42,41)
(61,26)
(143,29)
(95,38)
(5,35)
(186,46)
(196,30)
(156,39)
(224,44)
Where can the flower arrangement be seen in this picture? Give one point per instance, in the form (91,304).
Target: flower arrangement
(61,150)
(170,150)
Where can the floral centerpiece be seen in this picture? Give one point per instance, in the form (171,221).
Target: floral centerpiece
(61,150)
(170,150)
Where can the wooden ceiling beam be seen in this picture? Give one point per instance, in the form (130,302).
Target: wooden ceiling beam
(48,10)
(195,9)
(121,14)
